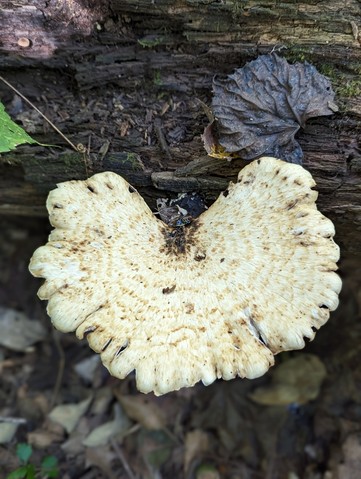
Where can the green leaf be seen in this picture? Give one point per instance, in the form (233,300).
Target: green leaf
(30,473)
(24,451)
(19,473)
(11,134)
(49,466)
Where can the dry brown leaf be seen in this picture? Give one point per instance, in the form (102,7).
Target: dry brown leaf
(143,410)
(101,457)
(102,434)
(195,445)
(297,380)
(259,108)
(46,435)
(68,415)
(7,431)
(17,331)
(86,368)
(7,459)
(102,399)
(351,466)
(207,472)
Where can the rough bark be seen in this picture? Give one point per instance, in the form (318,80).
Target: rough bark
(128,79)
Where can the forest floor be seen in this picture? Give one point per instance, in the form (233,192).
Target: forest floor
(301,420)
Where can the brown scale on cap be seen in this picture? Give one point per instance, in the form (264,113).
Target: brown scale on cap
(252,276)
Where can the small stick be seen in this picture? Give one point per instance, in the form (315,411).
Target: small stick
(13,420)
(60,374)
(131,430)
(79,148)
(122,459)
(161,137)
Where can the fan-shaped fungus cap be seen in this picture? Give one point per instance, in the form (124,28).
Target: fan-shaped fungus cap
(252,276)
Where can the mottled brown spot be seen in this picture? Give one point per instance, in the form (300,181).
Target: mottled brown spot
(297,182)
(200,256)
(168,289)
(291,204)
(189,308)
(179,239)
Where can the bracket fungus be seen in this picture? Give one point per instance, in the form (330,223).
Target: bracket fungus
(216,298)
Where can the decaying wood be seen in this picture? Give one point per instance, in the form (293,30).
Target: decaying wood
(127,79)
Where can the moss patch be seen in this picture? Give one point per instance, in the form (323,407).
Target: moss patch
(345,79)
(344,84)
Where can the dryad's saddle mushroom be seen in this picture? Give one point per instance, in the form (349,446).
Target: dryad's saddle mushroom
(216,298)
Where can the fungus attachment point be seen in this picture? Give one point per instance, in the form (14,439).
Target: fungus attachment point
(24,42)
(215,298)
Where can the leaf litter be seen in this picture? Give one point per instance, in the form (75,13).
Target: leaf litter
(17,331)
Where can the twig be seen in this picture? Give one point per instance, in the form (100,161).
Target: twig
(80,148)
(122,459)
(207,110)
(161,137)
(131,430)
(60,374)
(13,420)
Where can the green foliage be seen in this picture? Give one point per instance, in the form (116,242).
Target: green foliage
(11,134)
(157,78)
(27,472)
(48,468)
(349,88)
(24,452)
(345,85)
